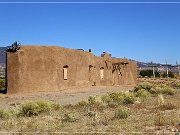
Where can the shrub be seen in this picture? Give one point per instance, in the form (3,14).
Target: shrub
(69,118)
(55,106)
(146,86)
(92,99)
(116,97)
(33,108)
(82,103)
(154,89)
(128,98)
(106,99)
(2,84)
(164,89)
(142,93)
(29,109)
(121,114)
(168,90)
(121,97)
(43,106)
(177,85)
(4,114)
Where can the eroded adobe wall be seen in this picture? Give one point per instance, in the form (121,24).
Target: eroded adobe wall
(127,74)
(40,68)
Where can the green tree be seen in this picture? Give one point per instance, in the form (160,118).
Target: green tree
(149,73)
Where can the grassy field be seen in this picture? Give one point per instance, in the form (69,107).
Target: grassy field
(149,108)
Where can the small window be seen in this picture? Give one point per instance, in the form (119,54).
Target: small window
(102,73)
(65,72)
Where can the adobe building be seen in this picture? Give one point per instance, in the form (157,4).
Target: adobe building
(51,68)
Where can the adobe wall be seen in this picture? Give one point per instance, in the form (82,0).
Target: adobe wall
(40,68)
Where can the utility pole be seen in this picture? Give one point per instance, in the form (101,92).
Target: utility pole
(153,67)
(167,70)
(178,67)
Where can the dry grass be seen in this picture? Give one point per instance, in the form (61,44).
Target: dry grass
(94,115)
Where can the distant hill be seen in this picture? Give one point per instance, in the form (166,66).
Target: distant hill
(3,55)
(158,66)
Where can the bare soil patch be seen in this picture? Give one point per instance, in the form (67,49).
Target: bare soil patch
(68,96)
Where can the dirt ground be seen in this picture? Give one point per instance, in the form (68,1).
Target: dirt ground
(68,96)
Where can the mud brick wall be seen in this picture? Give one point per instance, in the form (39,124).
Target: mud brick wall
(43,68)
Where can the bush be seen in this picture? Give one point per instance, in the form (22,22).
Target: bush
(4,114)
(106,99)
(121,97)
(148,73)
(153,89)
(142,93)
(128,98)
(29,109)
(92,99)
(116,97)
(177,85)
(82,104)
(164,89)
(69,118)
(2,84)
(43,106)
(121,114)
(55,106)
(33,108)
(146,86)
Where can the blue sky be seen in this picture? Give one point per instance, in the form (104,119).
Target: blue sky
(143,32)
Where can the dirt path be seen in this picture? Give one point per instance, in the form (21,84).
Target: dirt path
(69,96)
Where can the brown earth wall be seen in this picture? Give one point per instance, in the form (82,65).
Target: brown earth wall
(40,68)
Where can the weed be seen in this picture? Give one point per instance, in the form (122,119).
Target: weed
(116,97)
(4,114)
(82,103)
(106,99)
(177,85)
(142,93)
(112,105)
(146,86)
(121,114)
(128,98)
(2,84)
(121,97)
(29,109)
(69,118)
(43,106)
(92,99)
(33,108)
(164,89)
(159,120)
(168,106)
(55,106)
